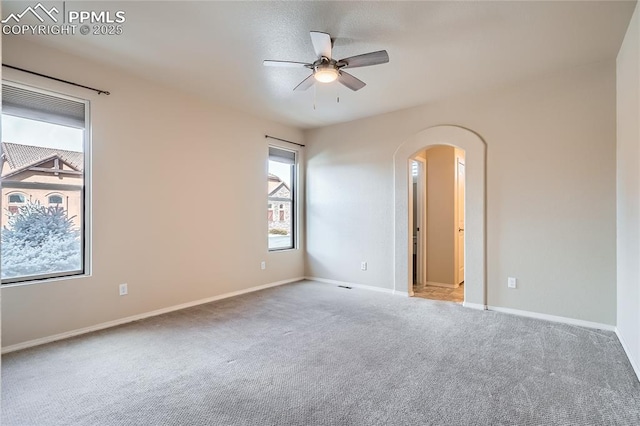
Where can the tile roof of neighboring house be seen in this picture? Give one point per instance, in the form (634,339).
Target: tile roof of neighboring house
(274,183)
(19,156)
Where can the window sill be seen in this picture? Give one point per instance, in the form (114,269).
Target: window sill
(282,250)
(45,280)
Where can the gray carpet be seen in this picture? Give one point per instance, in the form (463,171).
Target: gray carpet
(315,354)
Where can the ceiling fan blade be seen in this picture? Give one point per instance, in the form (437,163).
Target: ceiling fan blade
(321,44)
(306,83)
(288,64)
(365,60)
(350,81)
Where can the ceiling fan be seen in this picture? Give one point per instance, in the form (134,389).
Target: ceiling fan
(326,69)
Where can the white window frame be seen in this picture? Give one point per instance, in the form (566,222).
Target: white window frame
(86,228)
(295,181)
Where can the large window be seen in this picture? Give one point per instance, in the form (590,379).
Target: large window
(281,197)
(44,141)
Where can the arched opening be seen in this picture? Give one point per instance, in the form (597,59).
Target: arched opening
(475,208)
(436,217)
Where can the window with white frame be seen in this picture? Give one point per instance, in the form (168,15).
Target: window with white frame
(281,194)
(55,199)
(44,148)
(15,200)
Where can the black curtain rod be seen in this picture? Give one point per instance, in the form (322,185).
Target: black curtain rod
(100,92)
(282,140)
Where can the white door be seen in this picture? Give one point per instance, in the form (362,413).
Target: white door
(460,216)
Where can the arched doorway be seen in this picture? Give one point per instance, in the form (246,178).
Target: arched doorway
(475,215)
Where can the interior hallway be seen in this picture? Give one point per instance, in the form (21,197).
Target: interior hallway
(441,293)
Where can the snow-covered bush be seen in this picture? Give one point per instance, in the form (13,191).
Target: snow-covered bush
(39,240)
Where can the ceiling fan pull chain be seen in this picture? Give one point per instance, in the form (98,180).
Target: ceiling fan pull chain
(315,95)
(337,94)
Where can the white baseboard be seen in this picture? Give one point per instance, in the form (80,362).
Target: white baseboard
(634,365)
(478,306)
(553,318)
(445,285)
(109,324)
(360,286)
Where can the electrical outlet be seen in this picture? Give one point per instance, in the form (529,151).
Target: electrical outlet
(263,265)
(124,290)
(363,266)
(511,282)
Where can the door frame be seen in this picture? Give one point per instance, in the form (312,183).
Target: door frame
(475,291)
(421,195)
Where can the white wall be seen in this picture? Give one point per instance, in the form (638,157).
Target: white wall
(628,191)
(179,201)
(550,191)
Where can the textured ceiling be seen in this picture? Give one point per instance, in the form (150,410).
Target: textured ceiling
(436,49)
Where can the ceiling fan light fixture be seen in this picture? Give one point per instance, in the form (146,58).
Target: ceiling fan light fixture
(326,69)
(326,75)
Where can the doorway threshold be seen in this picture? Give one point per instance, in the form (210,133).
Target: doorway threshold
(441,293)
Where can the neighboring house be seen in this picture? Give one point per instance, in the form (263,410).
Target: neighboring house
(279,209)
(54,177)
